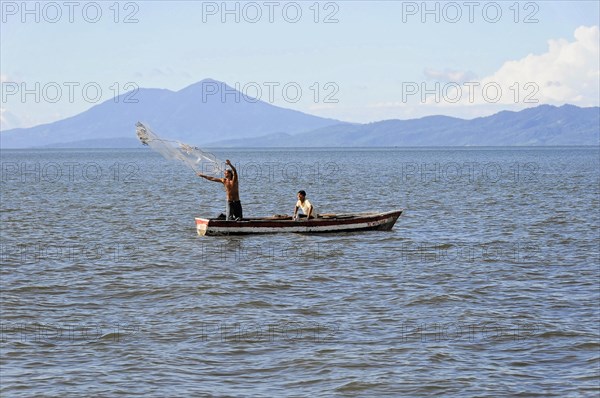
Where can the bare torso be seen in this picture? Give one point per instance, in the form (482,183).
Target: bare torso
(232,189)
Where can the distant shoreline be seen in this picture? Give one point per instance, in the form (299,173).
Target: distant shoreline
(331,149)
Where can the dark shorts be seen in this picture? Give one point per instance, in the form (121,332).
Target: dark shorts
(234,209)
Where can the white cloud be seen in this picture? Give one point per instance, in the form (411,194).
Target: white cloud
(449,75)
(8,120)
(569,72)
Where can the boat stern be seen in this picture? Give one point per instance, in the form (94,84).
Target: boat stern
(201,226)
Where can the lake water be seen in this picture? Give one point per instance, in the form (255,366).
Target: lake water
(488,285)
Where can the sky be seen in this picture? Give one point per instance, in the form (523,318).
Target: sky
(355,61)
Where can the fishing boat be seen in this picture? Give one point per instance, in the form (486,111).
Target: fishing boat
(324,223)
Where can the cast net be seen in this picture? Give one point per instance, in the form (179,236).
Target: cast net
(193,157)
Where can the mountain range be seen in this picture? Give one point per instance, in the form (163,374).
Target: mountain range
(198,116)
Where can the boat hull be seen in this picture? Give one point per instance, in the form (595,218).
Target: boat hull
(324,224)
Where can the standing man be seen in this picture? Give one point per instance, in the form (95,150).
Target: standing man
(234,206)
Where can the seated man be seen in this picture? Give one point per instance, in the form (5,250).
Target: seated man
(305,205)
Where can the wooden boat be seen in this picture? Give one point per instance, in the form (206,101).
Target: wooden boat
(325,223)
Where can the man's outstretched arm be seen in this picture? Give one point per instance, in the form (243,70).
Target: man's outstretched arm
(209,177)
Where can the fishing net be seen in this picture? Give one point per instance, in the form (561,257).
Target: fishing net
(193,157)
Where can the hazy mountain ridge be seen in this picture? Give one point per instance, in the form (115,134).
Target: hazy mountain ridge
(542,125)
(192,115)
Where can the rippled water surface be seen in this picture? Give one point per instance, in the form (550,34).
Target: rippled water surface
(488,285)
